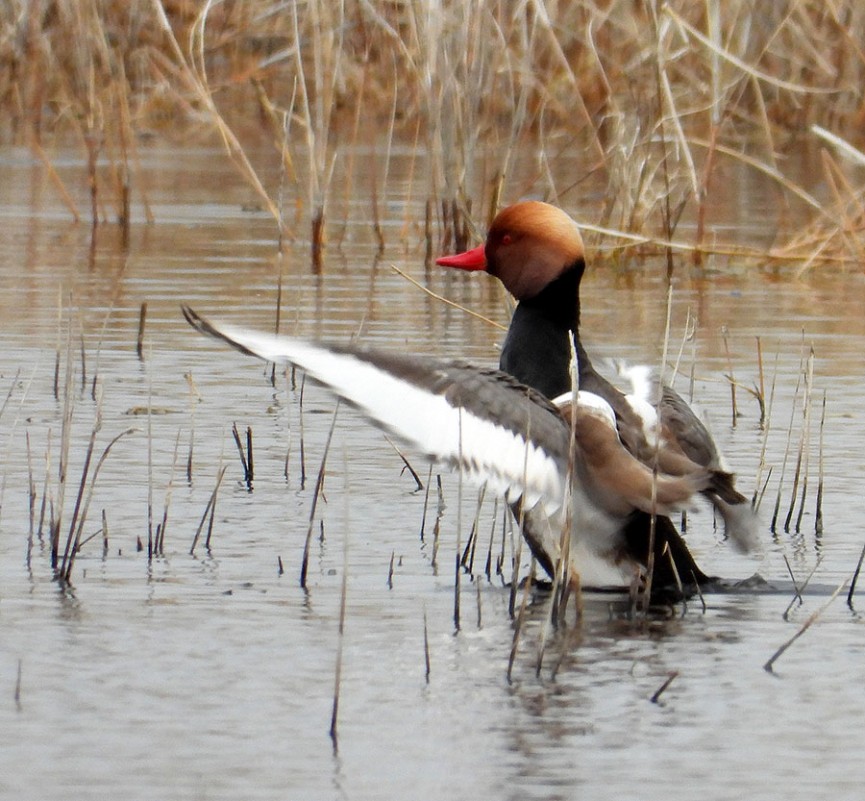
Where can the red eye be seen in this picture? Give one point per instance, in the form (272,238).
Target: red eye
(506,239)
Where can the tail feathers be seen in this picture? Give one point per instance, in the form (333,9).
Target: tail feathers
(722,486)
(740,523)
(740,519)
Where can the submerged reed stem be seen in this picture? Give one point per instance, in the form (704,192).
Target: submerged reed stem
(319,485)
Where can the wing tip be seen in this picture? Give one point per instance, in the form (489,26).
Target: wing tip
(204,326)
(199,323)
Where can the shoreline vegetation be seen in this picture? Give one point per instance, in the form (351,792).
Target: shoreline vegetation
(650,98)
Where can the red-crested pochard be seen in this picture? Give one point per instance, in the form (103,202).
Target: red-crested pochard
(504,434)
(536,251)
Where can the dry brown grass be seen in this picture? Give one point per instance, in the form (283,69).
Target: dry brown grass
(649,98)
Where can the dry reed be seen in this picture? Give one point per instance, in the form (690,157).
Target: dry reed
(655,99)
(319,486)
(656,696)
(208,515)
(769,666)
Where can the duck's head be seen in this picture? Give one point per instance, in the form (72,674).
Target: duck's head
(529,245)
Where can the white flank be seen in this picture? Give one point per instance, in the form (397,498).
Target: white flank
(588,401)
(640,399)
(483,450)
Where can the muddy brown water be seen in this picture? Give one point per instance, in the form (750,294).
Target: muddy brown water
(212,675)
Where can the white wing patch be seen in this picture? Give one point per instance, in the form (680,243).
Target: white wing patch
(483,450)
(640,377)
(589,402)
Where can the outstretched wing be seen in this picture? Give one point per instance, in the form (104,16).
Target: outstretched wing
(483,422)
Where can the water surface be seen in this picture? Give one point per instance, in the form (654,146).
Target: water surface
(211,675)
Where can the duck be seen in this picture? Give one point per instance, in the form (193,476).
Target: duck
(536,251)
(562,465)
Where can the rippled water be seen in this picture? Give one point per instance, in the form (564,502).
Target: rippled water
(212,675)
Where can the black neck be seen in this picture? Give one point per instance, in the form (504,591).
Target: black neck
(537,349)
(559,301)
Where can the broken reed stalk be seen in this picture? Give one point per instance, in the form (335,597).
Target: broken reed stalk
(696,584)
(425,503)
(777,509)
(150,531)
(515,575)
(211,519)
(761,386)
(660,691)
(31,497)
(83,363)
(193,396)
(800,588)
(208,512)
(769,666)
(468,557)
(556,613)
(730,376)
(406,463)
(488,566)
(246,459)
(286,463)
(374,204)
(571,638)
(159,545)
(341,636)
(440,509)
(280,259)
(236,434)
(46,484)
(319,484)
(797,593)
(802,452)
(518,624)
(457,565)
(426,648)
(62,572)
(139,341)
(428,232)
(63,459)
(759,491)
(300,431)
(57,349)
(818,513)
(507,535)
(855,579)
(678,579)
(67,564)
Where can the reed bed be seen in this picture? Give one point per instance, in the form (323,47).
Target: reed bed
(650,99)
